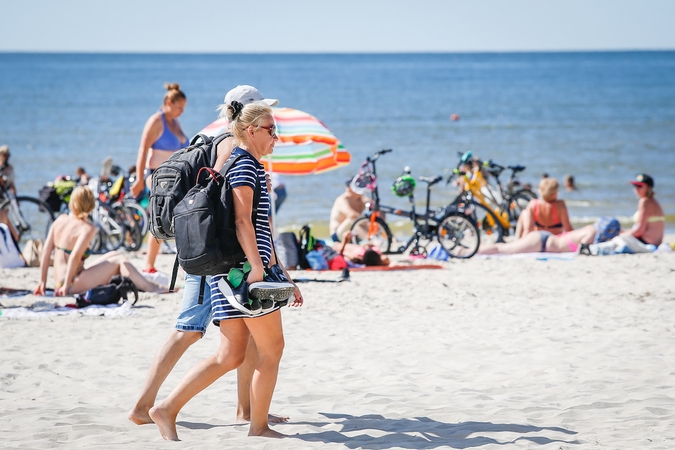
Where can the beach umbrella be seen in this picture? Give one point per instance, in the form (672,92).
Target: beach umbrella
(305,146)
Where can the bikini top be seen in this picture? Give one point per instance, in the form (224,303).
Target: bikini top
(168,140)
(67,251)
(652,219)
(554,210)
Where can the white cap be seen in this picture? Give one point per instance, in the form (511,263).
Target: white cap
(246,94)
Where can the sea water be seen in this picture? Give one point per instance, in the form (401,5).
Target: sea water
(602,117)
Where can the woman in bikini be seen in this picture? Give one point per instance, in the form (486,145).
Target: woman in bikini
(69,237)
(546,214)
(162,136)
(649,224)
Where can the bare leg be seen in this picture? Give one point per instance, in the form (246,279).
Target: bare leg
(268,335)
(233,341)
(165,359)
(529,243)
(107,267)
(244,375)
(153,249)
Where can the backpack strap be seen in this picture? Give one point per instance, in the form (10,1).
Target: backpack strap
(256,193)
(174,274)
(204,138)
(214,148)
(202,287)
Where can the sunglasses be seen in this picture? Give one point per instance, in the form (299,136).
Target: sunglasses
(272,130)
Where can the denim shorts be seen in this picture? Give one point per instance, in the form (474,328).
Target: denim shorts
(193,316)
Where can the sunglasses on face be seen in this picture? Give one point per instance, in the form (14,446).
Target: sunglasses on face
(272,130)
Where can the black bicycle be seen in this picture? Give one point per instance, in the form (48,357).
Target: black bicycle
(453,230)
(30,217)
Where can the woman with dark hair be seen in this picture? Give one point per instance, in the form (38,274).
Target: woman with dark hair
(649,224)
(162,136)
(253,127)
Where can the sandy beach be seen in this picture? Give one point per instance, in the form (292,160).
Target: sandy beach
(486,353)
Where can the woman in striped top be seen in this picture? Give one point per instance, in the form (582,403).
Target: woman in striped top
(253,126)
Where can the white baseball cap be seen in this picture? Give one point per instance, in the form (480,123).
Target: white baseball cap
(246,94)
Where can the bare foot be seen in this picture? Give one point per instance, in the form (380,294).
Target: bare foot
(139,416)
(271,418)
(268,433)
(166,423)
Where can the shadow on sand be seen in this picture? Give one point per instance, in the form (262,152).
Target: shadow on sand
(378,432)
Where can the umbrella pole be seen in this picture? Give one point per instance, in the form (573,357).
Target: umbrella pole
(272,205)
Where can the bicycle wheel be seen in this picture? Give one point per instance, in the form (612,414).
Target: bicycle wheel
(32,220)
(139,214)
(112,230)
(490,228)
(377,234)
(459,235)
(133,238)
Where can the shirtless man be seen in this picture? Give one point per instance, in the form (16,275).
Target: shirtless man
(346,209)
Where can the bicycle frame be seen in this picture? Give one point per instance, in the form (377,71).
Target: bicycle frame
(475,184)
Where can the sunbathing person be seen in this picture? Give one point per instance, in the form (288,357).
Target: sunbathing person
(69,237)
(543,241)
(647,232)
(366,254)
(545,214)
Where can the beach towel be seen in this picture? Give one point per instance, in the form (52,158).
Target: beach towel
(44,309)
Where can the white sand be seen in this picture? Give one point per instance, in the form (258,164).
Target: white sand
(537,354)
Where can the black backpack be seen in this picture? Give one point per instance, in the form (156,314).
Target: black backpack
(119,288)
(172,180)
(206,239)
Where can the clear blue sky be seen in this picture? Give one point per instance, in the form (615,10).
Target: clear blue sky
(335,25)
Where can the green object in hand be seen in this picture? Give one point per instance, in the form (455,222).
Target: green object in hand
(236,276)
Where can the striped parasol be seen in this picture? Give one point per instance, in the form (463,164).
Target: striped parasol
(306,146)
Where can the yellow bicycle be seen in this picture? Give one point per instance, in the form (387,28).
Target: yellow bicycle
(494,209)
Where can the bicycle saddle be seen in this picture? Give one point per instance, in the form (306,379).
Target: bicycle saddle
(430,180)
(517,168)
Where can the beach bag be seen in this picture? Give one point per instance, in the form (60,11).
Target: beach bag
(206,239)
(119,288)
(50,197)
(439,253)
(606,229)
(10,257)
(32,250)
(307,244)
(288,249)
(316,260)
(172,180)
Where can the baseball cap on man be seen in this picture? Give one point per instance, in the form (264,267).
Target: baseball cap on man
(246,94)
(643,180)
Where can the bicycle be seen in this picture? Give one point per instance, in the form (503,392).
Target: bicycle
(495,211)
(29,216)
(453,230)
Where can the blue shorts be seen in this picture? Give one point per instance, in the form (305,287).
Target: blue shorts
(193,316)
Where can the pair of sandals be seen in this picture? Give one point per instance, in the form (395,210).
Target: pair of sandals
(256,298)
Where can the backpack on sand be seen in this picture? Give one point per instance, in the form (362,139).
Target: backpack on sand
(172,180)
(288,249)
(206,239)
(119,288)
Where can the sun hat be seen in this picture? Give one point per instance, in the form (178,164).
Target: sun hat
(246,94)
(643,180)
